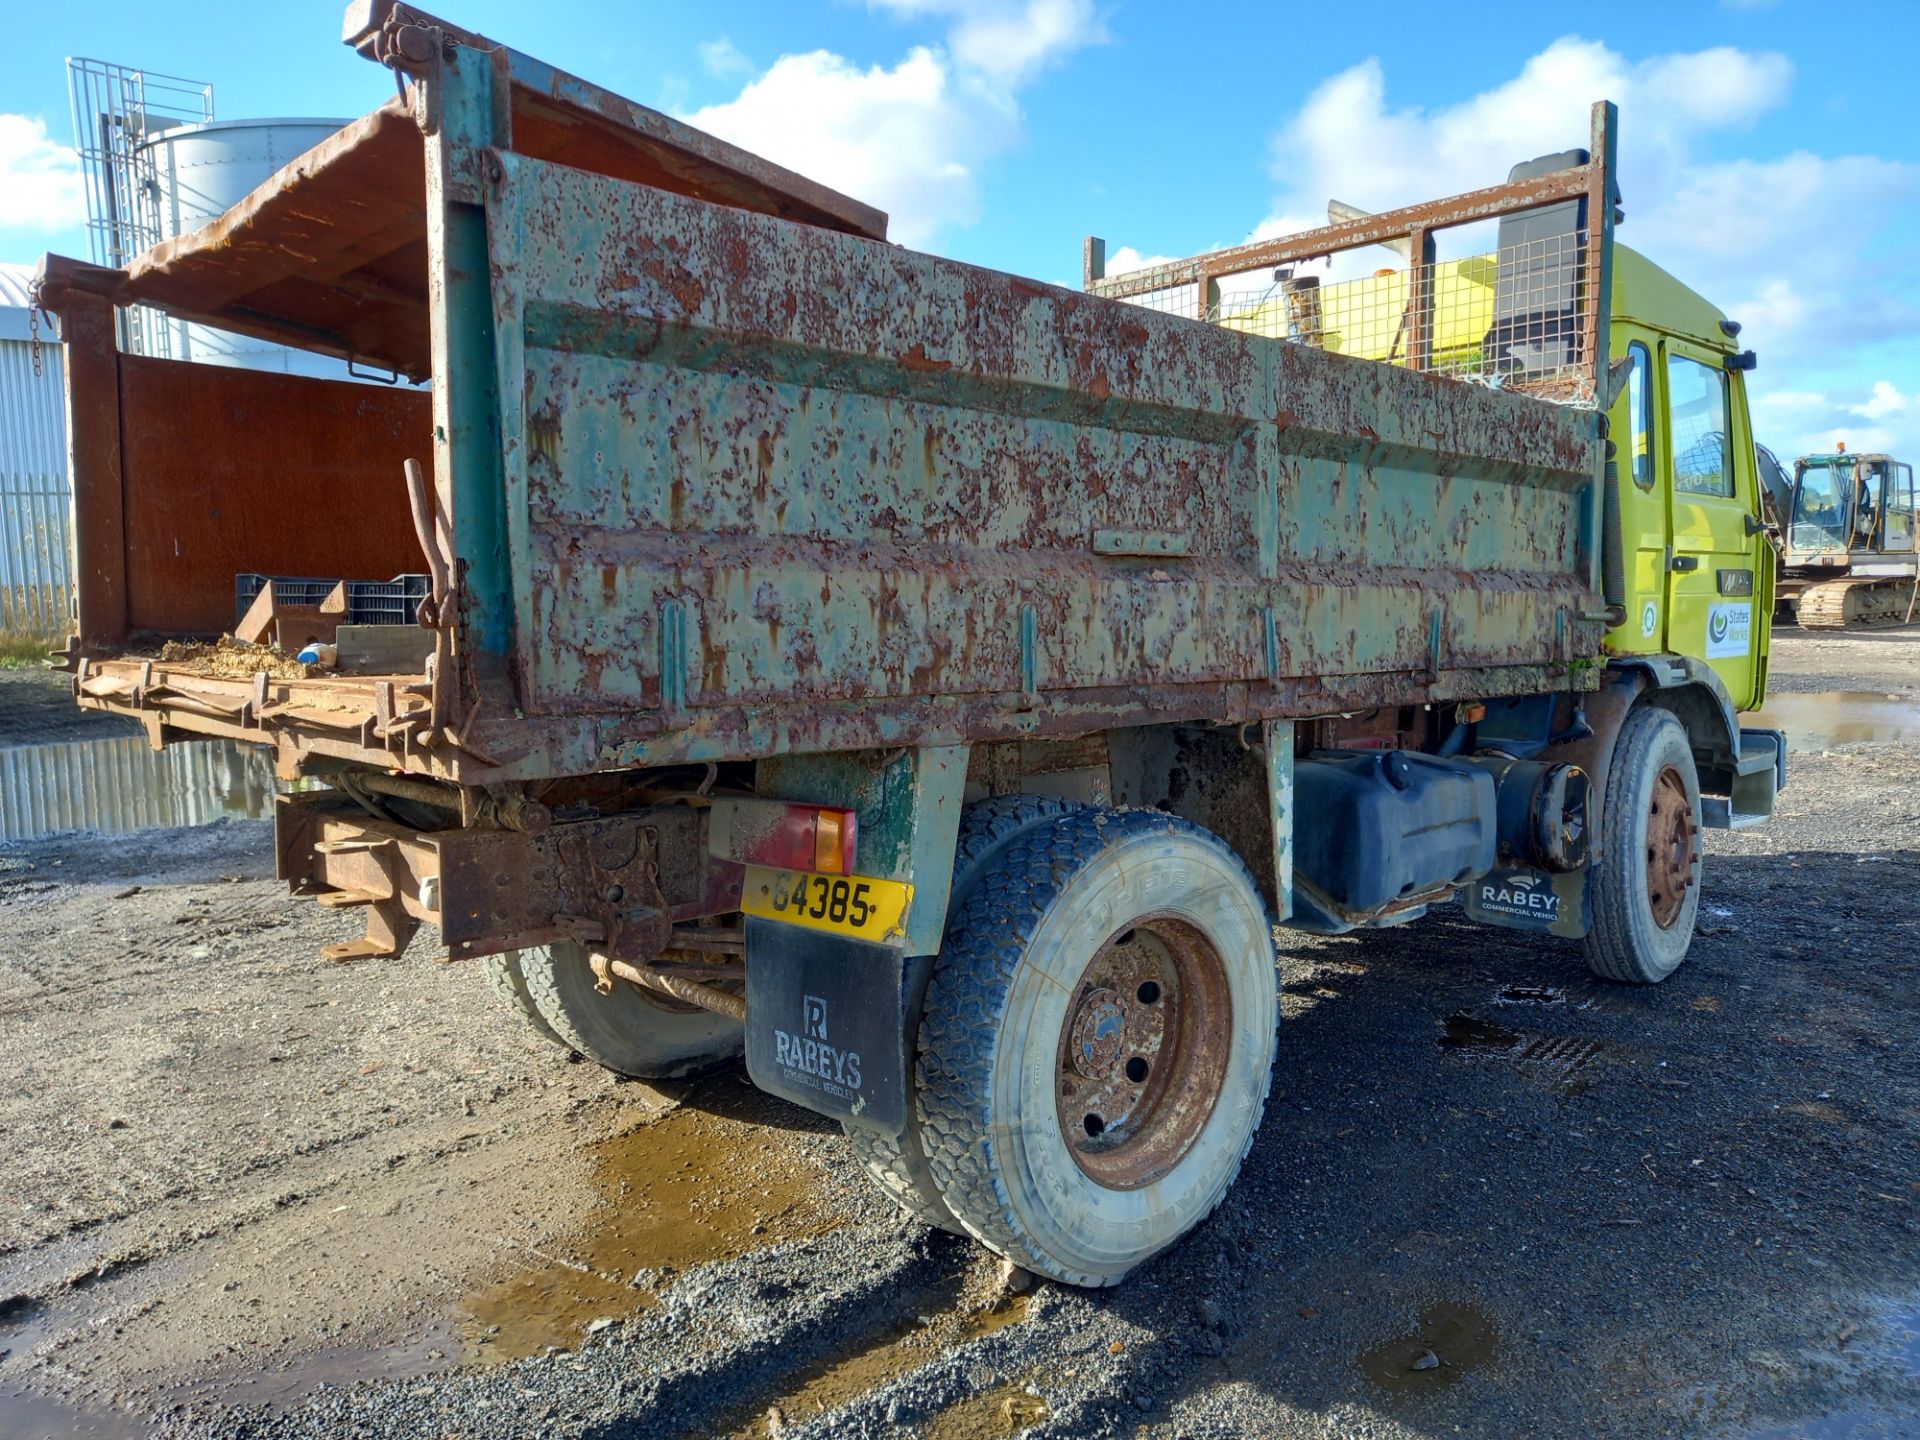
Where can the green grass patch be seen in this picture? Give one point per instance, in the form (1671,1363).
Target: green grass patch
(25,652)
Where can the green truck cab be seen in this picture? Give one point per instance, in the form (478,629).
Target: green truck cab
(1699,566)
(934,684)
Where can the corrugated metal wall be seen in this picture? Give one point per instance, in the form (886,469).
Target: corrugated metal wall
(121,784)
(36,502)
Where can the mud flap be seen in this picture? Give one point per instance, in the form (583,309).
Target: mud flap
(831,1022)
(1536,900)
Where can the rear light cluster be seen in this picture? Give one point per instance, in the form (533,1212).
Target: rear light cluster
(816,838)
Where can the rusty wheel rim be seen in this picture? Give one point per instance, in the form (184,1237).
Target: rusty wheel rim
(1143,1052)
(1670,848)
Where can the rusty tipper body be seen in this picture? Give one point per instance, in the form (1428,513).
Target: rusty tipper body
(932,681)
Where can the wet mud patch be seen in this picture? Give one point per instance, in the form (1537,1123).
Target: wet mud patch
(1828,718)
(1004,1410)
(920,1327)
(1450,1341)
(687,1189)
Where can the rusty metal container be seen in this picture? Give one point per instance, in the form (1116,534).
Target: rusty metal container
(726,475)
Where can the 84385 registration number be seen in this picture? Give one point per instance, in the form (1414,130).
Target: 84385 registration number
(857,905)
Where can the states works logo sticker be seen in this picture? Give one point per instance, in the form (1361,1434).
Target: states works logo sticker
(1649,619)
(1729,629)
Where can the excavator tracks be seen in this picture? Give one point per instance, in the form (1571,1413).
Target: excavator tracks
(1856,603)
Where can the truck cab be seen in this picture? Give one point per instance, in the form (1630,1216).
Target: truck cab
(1698,566)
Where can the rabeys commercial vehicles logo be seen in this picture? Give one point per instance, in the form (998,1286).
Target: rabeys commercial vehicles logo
(1526,893)
(810,1054)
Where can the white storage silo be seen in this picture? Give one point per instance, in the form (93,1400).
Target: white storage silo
(199,172)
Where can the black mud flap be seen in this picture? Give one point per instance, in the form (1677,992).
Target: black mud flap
(1536,900)
(831,1022)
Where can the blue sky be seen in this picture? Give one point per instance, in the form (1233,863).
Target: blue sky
(1769,150)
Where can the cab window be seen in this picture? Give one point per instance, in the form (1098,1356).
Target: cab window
(1697,425)
(1640,415)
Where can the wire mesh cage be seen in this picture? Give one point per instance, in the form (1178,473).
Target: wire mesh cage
(1504,287)
(117,109)
(1513,317)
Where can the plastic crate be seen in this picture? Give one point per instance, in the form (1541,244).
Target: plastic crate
(369,602)
(387,602)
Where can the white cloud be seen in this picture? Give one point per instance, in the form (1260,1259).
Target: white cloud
(722,58)
(912,137)
(1885,400)
(1876,417)
(1126,259)
(1787,402)
(1808,251)
(1008,40)
(40,187)
(906,138)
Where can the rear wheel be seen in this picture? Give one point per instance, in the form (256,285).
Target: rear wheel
(1645,888)
(504,974)
(628,1031)
(1098,1041)
(898,1163)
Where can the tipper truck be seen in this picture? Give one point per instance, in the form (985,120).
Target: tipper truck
(936,684)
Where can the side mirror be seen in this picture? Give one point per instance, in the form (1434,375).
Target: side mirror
(1745,360)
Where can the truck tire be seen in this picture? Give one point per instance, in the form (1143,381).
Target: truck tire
(503,973)
(629,1032)
(898,1163)
(1645,886)
(1098,1042)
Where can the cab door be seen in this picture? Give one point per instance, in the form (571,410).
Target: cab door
(1896,520)
(1714,584)
(1645,516)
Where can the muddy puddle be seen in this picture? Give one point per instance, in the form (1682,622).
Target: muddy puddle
(1841,717)
(1004,1410)
(121,784)
(685,1190)
(1450,1342)
(954,1318)
(1893,1348)
(30,1417)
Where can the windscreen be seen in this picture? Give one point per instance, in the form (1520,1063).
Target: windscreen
(1821,506)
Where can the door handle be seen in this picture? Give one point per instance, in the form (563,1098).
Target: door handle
(1684,562)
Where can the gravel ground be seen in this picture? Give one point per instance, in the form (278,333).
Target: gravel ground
(251,1195)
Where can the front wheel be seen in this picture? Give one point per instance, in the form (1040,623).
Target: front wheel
(1645,886)
(1098,1040)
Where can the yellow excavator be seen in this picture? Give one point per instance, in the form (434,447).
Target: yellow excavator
(1846,528)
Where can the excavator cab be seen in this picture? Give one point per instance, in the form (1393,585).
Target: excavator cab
(1847,555)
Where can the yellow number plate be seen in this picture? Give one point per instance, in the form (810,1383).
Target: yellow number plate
(845,904)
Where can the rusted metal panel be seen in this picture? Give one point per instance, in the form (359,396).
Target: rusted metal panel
(93,449)
(769,472)
(228,471)
(723,486)
(620,883)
